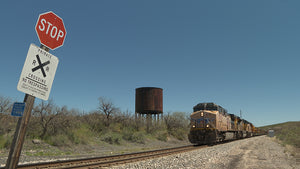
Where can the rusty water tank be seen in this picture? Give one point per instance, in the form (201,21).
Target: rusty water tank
(149,100)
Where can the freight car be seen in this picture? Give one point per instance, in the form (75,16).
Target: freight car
(211,123)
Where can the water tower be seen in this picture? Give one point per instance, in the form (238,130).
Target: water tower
(149,103)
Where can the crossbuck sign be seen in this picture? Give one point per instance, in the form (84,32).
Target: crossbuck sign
(38,73)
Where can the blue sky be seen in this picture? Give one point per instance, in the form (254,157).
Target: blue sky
(242,55)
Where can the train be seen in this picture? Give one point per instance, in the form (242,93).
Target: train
(211,123)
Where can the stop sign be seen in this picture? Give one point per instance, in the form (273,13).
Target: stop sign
(50,30)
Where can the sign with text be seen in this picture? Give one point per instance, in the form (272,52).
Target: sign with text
(18,109)
(38,73)
(51,30)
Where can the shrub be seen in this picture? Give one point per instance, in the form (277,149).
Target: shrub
(136,137)
(111,138)
(34,128)
(116,127)
(5,142)
(58,140)
(95,122)
(162,135)
(81,135)
(177,125)
(180,134)
(289,135)
(2,142)
(287,132)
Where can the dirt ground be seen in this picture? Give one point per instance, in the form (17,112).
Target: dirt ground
(263,152)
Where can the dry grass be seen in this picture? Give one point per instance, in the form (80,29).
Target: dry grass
(287,134)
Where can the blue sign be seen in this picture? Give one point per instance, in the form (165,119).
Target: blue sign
(18,109)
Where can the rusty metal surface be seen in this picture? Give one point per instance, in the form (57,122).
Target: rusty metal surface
(149,100)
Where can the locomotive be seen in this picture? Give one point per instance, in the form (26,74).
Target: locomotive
(211,123)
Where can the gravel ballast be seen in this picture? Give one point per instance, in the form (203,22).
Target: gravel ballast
(257,152)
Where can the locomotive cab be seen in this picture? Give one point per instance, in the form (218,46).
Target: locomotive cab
(209,124)
(203,127)
(203,120)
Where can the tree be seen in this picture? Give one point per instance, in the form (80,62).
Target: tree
(107,108)
(126,119)
(6,121)
(177,124)
(5,104)
(94,121)
(46,112)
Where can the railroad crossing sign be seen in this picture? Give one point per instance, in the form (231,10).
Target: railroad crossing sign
(38,73)
(50,30)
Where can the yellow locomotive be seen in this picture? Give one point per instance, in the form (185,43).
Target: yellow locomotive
(211,123)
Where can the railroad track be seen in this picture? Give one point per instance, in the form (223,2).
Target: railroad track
(98,162)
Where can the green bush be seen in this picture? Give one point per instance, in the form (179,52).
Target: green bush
(180,134)
(289,135)
(136,137)
(287,132)
(60,126)
(34,128)
(127,134)
(116,127)
(177,125)
(162,135)
(2,142)
(5,142)
(58,140)
(81,135)
(111,138)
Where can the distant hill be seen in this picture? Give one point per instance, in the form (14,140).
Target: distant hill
(288,133)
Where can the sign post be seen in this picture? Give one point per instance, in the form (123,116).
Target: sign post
(19,136)
(37,76)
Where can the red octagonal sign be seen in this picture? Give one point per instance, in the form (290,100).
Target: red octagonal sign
(51,30)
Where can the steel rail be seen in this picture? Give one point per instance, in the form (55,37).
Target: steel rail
(107,161)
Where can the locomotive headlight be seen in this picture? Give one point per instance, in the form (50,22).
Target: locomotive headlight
(207,125)
(194,126)
(201,113)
